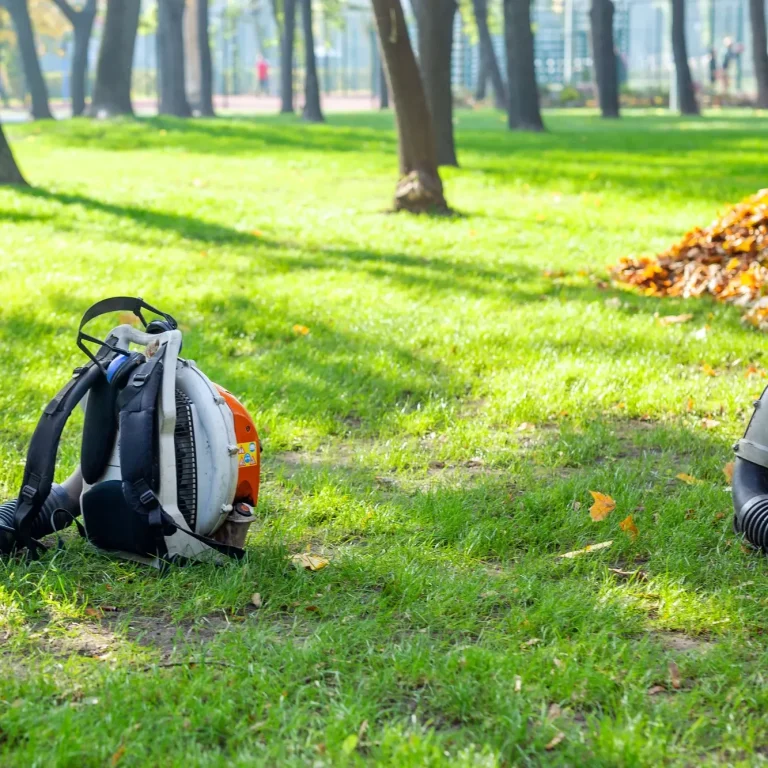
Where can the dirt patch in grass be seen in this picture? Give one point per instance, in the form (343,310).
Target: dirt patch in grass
(679,641)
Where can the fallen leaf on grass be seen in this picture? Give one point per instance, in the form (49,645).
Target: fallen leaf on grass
(94,612)
(638,574)
(674,319)
(674,674)
(602,507)
(310,562)
(689,479)
(628,526)
(349,745)
(707,369)
(585,550)
(256,600)
(554,741)
(526,426)
(117,756)
(554,711)
(689,405)
(362,730)
(754,371)
(656,689)
(577,505)
(301,330)
(710,423)
(518,683)
(728,471)
(529,643)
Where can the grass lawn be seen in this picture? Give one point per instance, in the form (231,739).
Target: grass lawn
(465,384)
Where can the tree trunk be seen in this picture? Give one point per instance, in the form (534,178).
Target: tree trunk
(482,78)
(488,56)
(759,52)
(82,26)
(9,171)
(286,56)
(685,93)
(25,37)
(312,112)
(604,57)
(435,25)
(523,103)
(112,93)
(420,188)
(173,98)
(206,66)
(383,87)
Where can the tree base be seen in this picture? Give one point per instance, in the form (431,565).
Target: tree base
(419,192)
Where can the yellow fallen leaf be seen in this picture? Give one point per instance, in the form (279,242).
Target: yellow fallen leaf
(585,550)
(602,507)
(628,526)
(674,319)
(256,600)
(555,741)
(688,479)
(302,330)
(656,689)
(310,562)
(728,471)
(732,264)
(710,423)
(708,369)
(117,756)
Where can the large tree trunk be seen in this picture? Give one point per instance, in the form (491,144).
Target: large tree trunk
(82,27)
(685,93)
(286,56)
(420,188)
(206,65)
(112,93)
(523,103)
(312,112)
(173,97)
(435,23)
(604,56)
(489,64)
(759,52)
(9,171)
(25,37)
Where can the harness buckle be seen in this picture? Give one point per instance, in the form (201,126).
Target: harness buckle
(28,493)
(149,500)
(139,379)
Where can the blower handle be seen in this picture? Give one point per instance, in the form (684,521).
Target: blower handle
(116,304)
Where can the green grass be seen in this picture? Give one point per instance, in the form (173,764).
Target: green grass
(397,441)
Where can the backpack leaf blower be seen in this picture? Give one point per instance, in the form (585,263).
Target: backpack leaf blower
(750,478)
(170,462)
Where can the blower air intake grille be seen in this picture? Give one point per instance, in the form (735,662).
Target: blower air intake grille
(186,460)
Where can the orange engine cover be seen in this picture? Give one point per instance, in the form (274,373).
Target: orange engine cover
(249,451)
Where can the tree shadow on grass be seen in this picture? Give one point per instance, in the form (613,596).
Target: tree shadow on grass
(186,227)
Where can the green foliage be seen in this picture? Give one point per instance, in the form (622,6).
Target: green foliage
(465,383)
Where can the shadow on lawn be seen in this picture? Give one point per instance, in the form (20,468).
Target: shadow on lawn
(186,226)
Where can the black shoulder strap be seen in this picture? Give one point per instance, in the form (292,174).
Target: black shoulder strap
(43,449)
(137,404)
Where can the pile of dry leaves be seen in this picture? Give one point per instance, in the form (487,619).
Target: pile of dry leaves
(728,259)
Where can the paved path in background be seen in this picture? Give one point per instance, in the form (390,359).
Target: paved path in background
(225,105)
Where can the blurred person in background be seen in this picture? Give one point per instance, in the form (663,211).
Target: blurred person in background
(262,73)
